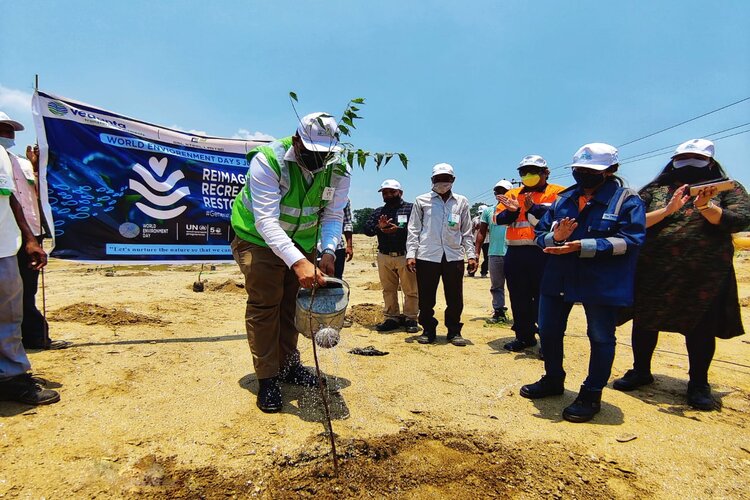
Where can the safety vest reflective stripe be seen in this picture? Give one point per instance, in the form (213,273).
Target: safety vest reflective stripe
(294,212)
(521,224)
(519,243)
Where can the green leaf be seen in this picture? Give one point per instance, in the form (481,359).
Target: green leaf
(358,100)
(343,129)
(348,121)
(361,158)
(388,157)
(350,157)
(378,160)
(354,108)
(293,96)
(404,160)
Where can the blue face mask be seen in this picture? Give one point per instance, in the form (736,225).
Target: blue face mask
(7,142)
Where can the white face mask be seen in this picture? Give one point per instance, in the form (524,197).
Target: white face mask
(690,162)
(7,142)
(442,187)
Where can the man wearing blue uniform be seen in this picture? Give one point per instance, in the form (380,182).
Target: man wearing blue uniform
(592,233)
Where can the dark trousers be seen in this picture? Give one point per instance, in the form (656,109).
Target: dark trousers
(486,262)
(428,276)
(34,326)
(524,267)
(600,328)
(340,263)
(700,347)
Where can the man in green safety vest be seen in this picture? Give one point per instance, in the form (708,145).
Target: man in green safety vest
(295,193)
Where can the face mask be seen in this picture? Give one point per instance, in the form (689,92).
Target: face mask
(442,187)
(587,180)
(7,142)
(690,162)
(530,180)
(690,174)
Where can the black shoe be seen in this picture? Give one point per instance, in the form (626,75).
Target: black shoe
(427,338)
(457,340)
(25,389)
(411,326)
(388,325)
(699,397)
(632,380)
(297,374)
(519,345)
(587,404)
(546,386)
(269,395)
(470,275)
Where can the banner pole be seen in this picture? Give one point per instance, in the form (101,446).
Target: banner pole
(41,230)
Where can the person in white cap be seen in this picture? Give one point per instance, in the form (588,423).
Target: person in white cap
(685,279)
(389,224)
(496,249)
(592,233)
(439,239)
(34,329)
(295,194)
(483,248)
(524,261)
(16,383)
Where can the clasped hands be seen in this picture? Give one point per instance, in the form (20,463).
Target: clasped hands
(561,232)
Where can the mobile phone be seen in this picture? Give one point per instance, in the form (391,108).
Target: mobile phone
(723,185)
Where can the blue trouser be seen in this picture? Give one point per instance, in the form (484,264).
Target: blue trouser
(13,360)
(601,321)
(497,282)
(524,267)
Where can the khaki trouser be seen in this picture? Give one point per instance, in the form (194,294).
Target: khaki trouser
(269,316)
(392,270)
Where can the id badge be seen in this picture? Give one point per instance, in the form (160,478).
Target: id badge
(402,219)
(453,219)
(328,193)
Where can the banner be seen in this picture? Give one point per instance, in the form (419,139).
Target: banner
(115,189)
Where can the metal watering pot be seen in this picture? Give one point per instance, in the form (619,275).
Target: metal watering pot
(320,312)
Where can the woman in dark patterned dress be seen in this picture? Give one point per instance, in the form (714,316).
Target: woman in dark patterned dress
(685,280)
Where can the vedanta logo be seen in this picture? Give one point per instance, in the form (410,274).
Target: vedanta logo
(162,194)
(57,108)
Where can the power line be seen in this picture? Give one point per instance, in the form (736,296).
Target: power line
(684,122)
(651,135)
(635,159)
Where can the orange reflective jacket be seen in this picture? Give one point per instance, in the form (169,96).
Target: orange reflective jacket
(521,232)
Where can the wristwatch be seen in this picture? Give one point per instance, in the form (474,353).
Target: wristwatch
(329,252)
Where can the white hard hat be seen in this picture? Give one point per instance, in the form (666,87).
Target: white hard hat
(702,147)
(596,156)
(390,184)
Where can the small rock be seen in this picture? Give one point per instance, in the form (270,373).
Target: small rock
(745,448)
(625,469)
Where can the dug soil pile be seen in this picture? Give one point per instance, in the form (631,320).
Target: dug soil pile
(366,314)
(93,314)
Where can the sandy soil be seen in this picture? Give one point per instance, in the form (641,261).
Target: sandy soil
(158,401)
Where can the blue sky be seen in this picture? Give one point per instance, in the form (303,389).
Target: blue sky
(478,84)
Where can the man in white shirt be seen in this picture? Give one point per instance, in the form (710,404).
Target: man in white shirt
(296,191)
(16,383)
(34,329)
(439,236)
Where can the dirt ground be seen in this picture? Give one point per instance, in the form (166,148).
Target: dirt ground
(158,401)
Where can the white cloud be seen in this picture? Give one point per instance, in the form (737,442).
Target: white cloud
(252,136)
(191,131)
(14,100)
